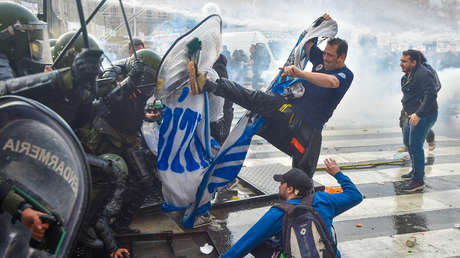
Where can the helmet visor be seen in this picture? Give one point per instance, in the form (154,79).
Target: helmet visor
(37,36)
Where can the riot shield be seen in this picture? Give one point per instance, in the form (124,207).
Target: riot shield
(43,161)
(173,72)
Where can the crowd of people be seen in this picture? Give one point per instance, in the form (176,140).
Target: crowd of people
(239,63)
(123,168)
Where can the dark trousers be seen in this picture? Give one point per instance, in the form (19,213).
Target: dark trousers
(281,127)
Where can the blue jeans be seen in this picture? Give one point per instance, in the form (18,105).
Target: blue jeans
(414,136)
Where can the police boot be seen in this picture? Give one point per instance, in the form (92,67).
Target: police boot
(139,183)
(89,238)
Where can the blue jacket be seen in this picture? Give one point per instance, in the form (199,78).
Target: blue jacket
(326,204)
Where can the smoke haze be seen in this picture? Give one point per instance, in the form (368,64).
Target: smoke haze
(377,33)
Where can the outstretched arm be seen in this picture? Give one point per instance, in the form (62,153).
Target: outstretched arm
(350,196)
(320,79)
(267,226)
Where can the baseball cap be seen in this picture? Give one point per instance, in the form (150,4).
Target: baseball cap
(298,179)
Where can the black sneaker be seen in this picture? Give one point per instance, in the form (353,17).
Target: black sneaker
(412,186)
(408,175)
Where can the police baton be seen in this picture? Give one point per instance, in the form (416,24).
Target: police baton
(128,29)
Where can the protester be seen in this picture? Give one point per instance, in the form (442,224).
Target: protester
(260,60)
(226,53)
(295,185)
(138,45)
(430,136)
(294,124)
(237,61)
(421,110)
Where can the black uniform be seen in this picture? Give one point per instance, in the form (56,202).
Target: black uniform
(69,92)
(117,131)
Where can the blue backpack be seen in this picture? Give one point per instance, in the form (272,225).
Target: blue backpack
(304,232)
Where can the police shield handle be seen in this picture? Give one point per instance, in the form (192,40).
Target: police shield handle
(31,219)
(52,235)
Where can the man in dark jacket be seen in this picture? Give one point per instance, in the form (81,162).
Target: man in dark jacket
(295,185)
(420,106)
(402,118)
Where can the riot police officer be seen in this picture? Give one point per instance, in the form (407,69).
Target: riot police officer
(109,170)
(24,51)
(118,131)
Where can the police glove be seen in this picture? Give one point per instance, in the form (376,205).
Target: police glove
(137,72)
(86,66)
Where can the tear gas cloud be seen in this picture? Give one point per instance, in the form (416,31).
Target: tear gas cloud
(377,33)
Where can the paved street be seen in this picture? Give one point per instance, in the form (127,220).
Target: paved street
(388,217)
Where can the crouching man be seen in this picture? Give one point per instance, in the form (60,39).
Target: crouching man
(263,239)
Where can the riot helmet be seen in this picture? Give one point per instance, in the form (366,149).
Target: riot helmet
(77,46)
(23,38)
(117,160)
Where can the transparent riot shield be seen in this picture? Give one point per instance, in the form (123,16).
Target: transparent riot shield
(173,71)
(43,161)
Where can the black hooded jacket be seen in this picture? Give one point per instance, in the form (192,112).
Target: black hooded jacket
(419,92)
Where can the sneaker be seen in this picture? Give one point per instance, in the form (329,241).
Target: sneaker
(201,221)
(197,79)
(408,175)
(402,149)
(431,146)
(412,186)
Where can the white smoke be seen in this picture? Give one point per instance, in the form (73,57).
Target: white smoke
(449,95)
(210,8)
(375,94)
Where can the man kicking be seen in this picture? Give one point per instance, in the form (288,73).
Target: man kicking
(293,123)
